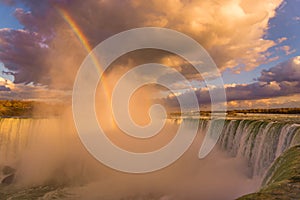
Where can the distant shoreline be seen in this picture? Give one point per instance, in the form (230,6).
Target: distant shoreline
(245,111)
(30,109)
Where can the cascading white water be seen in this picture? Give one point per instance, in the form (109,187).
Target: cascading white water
(49,148)
(14,138)
(259,142)
(41,150)
(19,134)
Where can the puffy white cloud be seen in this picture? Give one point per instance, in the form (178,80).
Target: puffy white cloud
(231,30)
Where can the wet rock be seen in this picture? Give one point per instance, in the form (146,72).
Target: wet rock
(6,170)
(8,179)
(7,175)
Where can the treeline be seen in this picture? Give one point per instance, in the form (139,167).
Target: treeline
(269,111)
(244,111)
(178,114)
(18,108)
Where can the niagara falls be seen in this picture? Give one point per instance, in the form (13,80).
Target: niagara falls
(149,100)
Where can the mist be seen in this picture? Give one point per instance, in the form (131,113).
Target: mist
(54,155)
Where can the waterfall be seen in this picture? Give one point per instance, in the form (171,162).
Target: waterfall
(259,142)
(15,135)
(44,150)
(20,134)
(49,141)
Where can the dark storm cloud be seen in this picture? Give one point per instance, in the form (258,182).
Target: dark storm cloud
(42,21)
(4,88)
(22,52)
(8,2)
(288,71)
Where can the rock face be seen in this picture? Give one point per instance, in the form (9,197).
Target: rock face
(8,179)
(9,174)
(6,170)
(282,180)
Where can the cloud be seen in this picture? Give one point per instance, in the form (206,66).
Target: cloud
(297,18)
(5,85)
(23,53)
(278,81)
(3,88)
(290,101)
(286,71)
(48,52)
(10,90)
(8,2)
(280,40)
(33,92)
(286,49)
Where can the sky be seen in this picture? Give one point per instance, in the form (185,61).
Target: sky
(255,46)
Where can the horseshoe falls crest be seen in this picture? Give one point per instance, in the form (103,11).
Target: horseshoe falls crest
(44,159)
(259,142)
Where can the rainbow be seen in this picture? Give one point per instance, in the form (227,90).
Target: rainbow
(79,34)
(76,29)
(85,43)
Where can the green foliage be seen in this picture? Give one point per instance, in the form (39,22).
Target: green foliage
(282,180)
(234,112)
(17,108)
